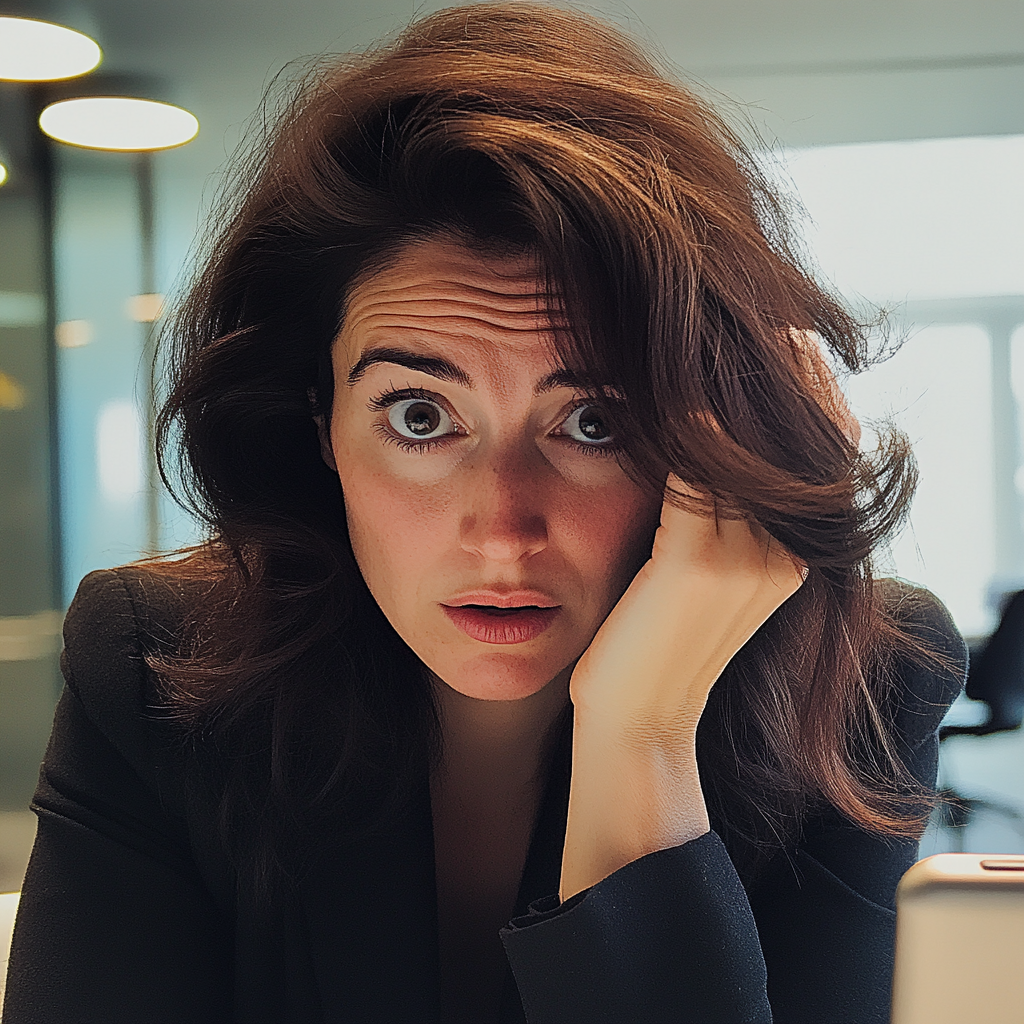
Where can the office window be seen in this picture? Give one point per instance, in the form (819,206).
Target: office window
(937,388)
(931,232)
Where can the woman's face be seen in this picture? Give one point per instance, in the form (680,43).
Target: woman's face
(486,509)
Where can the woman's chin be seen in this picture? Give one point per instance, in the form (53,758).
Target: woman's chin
(498,677)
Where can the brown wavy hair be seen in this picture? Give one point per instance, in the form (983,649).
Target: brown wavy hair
(524,127)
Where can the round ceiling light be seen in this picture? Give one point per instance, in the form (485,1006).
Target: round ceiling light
(38,51)
(118,122)
(3,174)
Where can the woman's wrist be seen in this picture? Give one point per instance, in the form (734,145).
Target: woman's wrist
(634,791)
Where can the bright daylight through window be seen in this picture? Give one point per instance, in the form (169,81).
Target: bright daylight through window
(932,231)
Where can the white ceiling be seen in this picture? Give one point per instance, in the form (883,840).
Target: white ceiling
(805,71)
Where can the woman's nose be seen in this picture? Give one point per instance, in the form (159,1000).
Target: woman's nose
(503,517)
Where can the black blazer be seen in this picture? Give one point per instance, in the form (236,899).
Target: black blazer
(131,913)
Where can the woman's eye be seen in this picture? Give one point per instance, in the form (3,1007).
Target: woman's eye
(420,420)
(588,424)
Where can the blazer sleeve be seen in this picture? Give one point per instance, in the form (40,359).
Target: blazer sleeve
(114,923)
(674,938)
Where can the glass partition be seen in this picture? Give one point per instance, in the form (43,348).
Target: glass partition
(30,604)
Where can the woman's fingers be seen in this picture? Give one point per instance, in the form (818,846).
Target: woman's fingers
(710,584)
(822,380)
(721,543)
(782,567)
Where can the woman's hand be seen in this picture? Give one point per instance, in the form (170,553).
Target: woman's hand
(708,586)
(641,686)
(824,384)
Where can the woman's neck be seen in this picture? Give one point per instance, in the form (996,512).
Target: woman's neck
(497,745)
(484,799)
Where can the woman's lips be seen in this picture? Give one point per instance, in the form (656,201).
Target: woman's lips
(492,625)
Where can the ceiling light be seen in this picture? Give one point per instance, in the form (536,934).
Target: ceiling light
(38,51)
(3,174)
(74,333)
(118,123)
(144,309)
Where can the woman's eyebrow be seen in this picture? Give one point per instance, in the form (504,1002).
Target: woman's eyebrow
(436,366)
(560,378)
(444,369)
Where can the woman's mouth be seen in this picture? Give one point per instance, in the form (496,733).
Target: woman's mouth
(492,625)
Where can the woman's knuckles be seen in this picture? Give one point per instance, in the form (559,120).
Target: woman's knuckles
(707,588)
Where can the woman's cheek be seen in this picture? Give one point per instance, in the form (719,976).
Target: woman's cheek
(430,468)
(395,509)
(393,515)
(615,530)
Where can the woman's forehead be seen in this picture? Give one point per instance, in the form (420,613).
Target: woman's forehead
(438,291)
(442,267)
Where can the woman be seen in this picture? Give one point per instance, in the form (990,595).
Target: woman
(494,302)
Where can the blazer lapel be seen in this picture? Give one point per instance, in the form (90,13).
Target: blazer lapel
(542,872)
(371,913)
(543,869)
(371,910)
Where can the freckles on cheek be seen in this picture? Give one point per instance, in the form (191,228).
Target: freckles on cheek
(611,533)
(394,526)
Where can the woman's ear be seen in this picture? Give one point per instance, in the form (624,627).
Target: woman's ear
(322,431)
(326,452)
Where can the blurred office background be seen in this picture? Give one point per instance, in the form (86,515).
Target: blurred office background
(897,124)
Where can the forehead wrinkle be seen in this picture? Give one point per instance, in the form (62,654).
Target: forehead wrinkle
(457,325)
(433,317)
(388,283)
(401,301)
(435,296)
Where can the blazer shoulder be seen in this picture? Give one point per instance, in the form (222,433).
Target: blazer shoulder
(927,681)
(920,613)
(117,617)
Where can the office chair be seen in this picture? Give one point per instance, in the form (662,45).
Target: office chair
(995,679)
(996,676)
